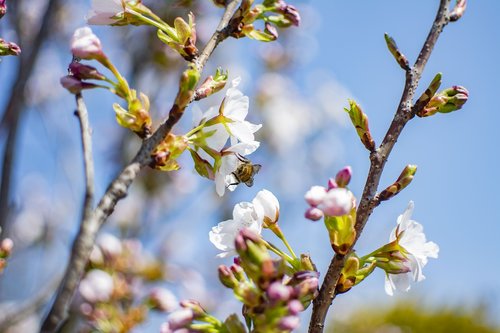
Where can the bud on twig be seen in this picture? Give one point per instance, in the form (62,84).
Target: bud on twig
(211,85)
(9,48)
(187,84)
(428,93)
(360,122)
(343,177)
(403,180)
(85,72)
(446,101)
(458,11)
(393,48)
(75,86)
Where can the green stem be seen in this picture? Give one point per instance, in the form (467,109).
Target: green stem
(279,252)
(160,25)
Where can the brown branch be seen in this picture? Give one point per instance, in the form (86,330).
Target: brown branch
(15,106)
(377,163)
(117,190)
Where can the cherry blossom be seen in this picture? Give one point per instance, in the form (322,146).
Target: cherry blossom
(104,12)
(410,236)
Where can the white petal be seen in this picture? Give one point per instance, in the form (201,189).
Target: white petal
(244,148)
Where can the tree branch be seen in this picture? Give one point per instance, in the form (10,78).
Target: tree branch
(117,190)
(377,163)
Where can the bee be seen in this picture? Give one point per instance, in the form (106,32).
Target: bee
(245,172)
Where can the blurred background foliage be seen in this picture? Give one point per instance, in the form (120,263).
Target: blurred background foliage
(415,317)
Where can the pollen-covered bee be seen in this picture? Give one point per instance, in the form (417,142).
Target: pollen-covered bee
(245,172)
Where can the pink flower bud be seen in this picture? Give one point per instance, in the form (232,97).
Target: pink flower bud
(337,202)
(332,184)
(295,307)
(75,86)
(86,45)
(343,177)
(3,8)
(289,323)
(85,72)
(277,291)
(314,214)
(315,195)
(180,318)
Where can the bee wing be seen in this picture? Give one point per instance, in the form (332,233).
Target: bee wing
(256,168)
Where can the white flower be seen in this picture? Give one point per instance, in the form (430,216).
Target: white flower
(85,44)
(411,237)
(229,164)
(163,299)
(235,109)
(103,11)
(270,206)
(97,286)
(245,215)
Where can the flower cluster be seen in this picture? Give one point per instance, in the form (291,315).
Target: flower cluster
(262,211)
(86,45)
(209,141)
(110,288)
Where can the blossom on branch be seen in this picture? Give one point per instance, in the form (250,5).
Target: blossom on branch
(409,238)
(104,12)
(249,215)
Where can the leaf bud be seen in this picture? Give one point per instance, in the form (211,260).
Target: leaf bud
(211,85)
(428,93)
(445,101)
(403,180)
(360,122)
(396,53)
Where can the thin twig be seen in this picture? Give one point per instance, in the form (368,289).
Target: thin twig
(117,190)
(15,106)
(88,161)
(377,162)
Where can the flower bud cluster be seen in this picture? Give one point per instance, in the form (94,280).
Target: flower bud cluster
(274,13)
(86,45)
(338,207)
(336,200)
(109,290)
(271,300)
